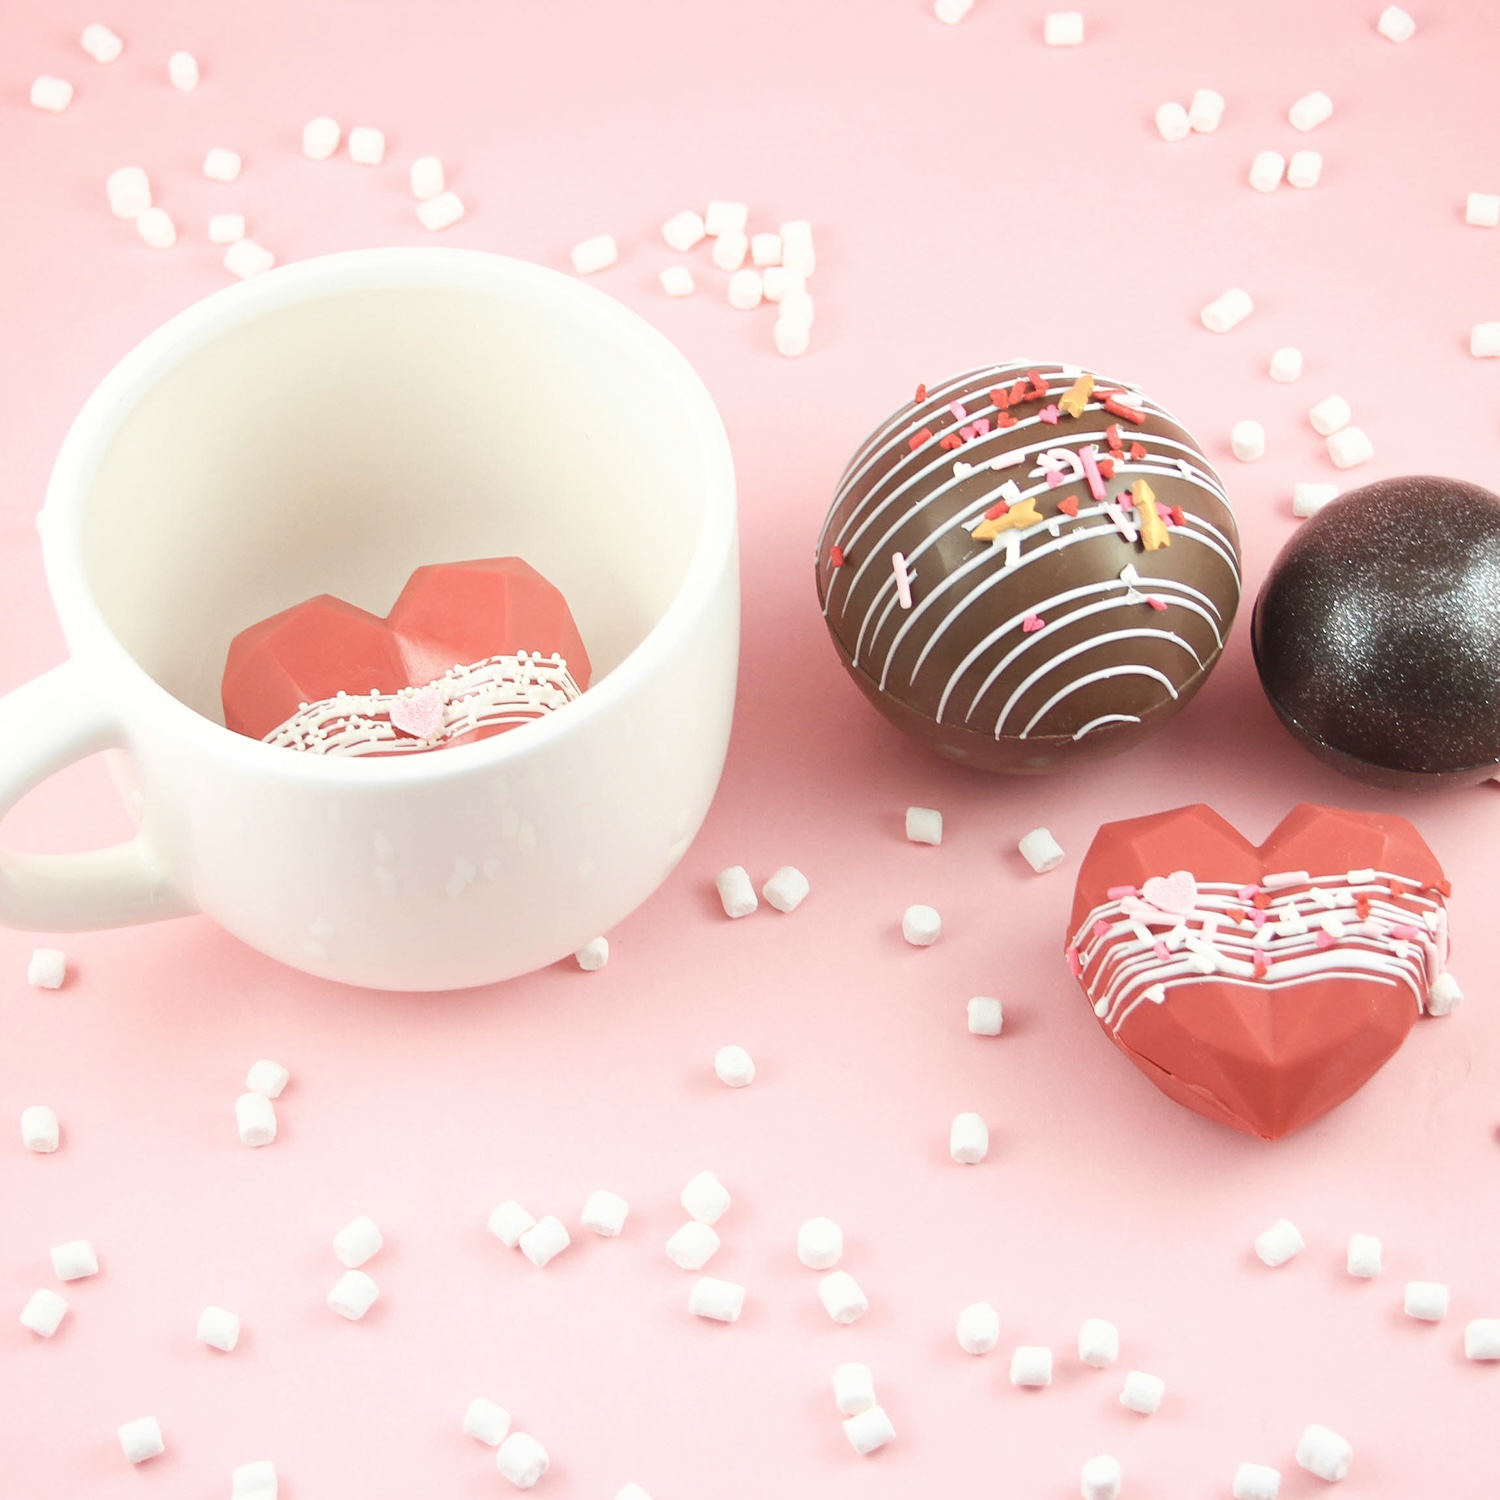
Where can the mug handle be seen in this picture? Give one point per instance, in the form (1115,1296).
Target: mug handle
(49,723)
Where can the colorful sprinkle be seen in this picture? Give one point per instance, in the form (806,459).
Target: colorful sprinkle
(1153,530)
(959,414)
(1032,623)
(836,557)
(903,583)
(1156,603)
(950,440)
(1076,397)
(916,440)
(1049,414)
(1101,928)
(1068,505)
(921,392)
(1016,517)
(1089,456)
(999,398)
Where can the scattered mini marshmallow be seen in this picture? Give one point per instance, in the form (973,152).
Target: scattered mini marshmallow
(74,1260)
(978,1328)
(1395,25)
(440,212)
(1364,1255)
(1443,995)
(366,145)
(968,1139)
(1098,1343)
(1484,342)
(1267,170)
(183,72)
(1427,1301)
(52,94)
(1256,1482)
(797,252)
(683,230)
(730,250)
(255,1119)
(677,281)
(509,1222)
(155,226)
(129,192)
(1308,112)
(705,1198)
(1031,1364)
(1172,122)
(141,1439)
(1278,1244)
(952,11)
(820,1243)
(357,1241)
(842,1297)
(1482,209)
(44,1310)
(427,178)
(544,1241)
(1350,448)
(745,289)
(734,1066)
(1041,851)
(868,1430)
(221,164)
(725,217)
(1309,498)
(1229,309)
(486,1421)
(1100,1479)
(1142,1392)
(1063,28)
(254,1481)
(267,1077)
(692,1246)
(1248,440)
(986,1015)
(1304,169)
(920,926)
(924,825)
(1323,1452)
(320,138)
(593,955)
(39,1131)
(765,249)
(353,1295)
(522,1460)
(594,254)
(791,337)
(218,1328)
(604,1213)
(1286,365)
(1481,1338)
(245,259)
(735,891)
(101,43)
(47,969)
(786,889)
(1332,414)
(797,307)
(853,1389)
(722,1301)
(1206,111)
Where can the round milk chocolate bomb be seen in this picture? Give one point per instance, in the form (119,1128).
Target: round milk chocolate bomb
(1029,565)
(1377,633)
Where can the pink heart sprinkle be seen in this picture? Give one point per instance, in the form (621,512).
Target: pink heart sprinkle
(1178,893)
(419,714)
(1031,623)
(1049,414)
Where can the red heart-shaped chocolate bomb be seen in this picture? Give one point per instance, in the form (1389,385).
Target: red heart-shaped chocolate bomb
(1294,972)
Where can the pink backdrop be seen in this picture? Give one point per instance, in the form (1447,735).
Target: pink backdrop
(975,196)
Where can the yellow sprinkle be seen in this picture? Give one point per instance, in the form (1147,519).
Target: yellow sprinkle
(1076,397)
(1018,517)
(1154,533)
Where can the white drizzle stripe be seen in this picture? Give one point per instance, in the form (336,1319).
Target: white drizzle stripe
(1104,719)
(1138,670)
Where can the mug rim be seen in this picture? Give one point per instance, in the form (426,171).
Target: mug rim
(60,521)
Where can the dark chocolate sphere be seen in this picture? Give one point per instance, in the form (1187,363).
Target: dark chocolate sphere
(1377,633)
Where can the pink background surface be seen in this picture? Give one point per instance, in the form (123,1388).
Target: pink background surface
(975,196)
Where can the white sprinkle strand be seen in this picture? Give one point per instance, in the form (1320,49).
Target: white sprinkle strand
(903,580)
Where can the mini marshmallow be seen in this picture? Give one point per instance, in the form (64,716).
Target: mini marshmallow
(1228,309)
(1308,498)
(129,192)
(951,11)
(52,94)
(924,825)
(1248,440)
(1482,209)
(705,1198)
(693,1246)
(267,1077)
(1267,170)
(853,1389)
(1323,1452)
(1030,1364)
(353,1295)
(735,891)
(978,1328)
(593,955)
(509,1222)
(74,1260)
(1332,414)
(1443,995)
(1256,1482)
(745,289)
(357,1241)
(440,212)
(1041,851)
(765,249)
(605,1213)
(1310,111)
(101,43)
(920,926)
(49,966)
(1278,1244)
(155,226)
(1484,343)
(968,1139)
(730,250)
(427,178)
(1098,1343)
(791,337)
(868,1430)
(183,72)
(39,1130)
(1100,1479)
(986,1016)
(1364,1255)
(522,1460)
(1350,448)
(43,1312)
(221,165)
(1063,28)
(1286,365)
(486,1421)
(724,217)
(544,1241)
(677,281)
(1395,25)
(842,1297)
(786,889)
(820,1243)
(254,1481)
(1172,122)
(797,252)
(1304,169)
(366,145)
(1481,1338)
(320,138)
(255,1119)
(734,1066)
(218,1328)
(141,1439)
(683,230)
(722,1301)
(1206,111)
(245,259)
(777,281)
(1426,1301)
(1142,1392)
(594,254)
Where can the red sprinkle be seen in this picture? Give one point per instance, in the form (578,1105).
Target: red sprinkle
(1068,505)
(921,394)
(1236,914)
(836,557)
(1262,968)
(1137,452)
(1263,900)
(916,440)
(1000,398)
(1117,408)
(998,509)
(1179,516)
(950,440)
(1018,393)
(1362,906)
(1106,468)
(1038,385)
(1112,436)
(1004,419)
(1155,603)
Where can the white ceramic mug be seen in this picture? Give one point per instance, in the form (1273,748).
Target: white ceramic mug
(327,428)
